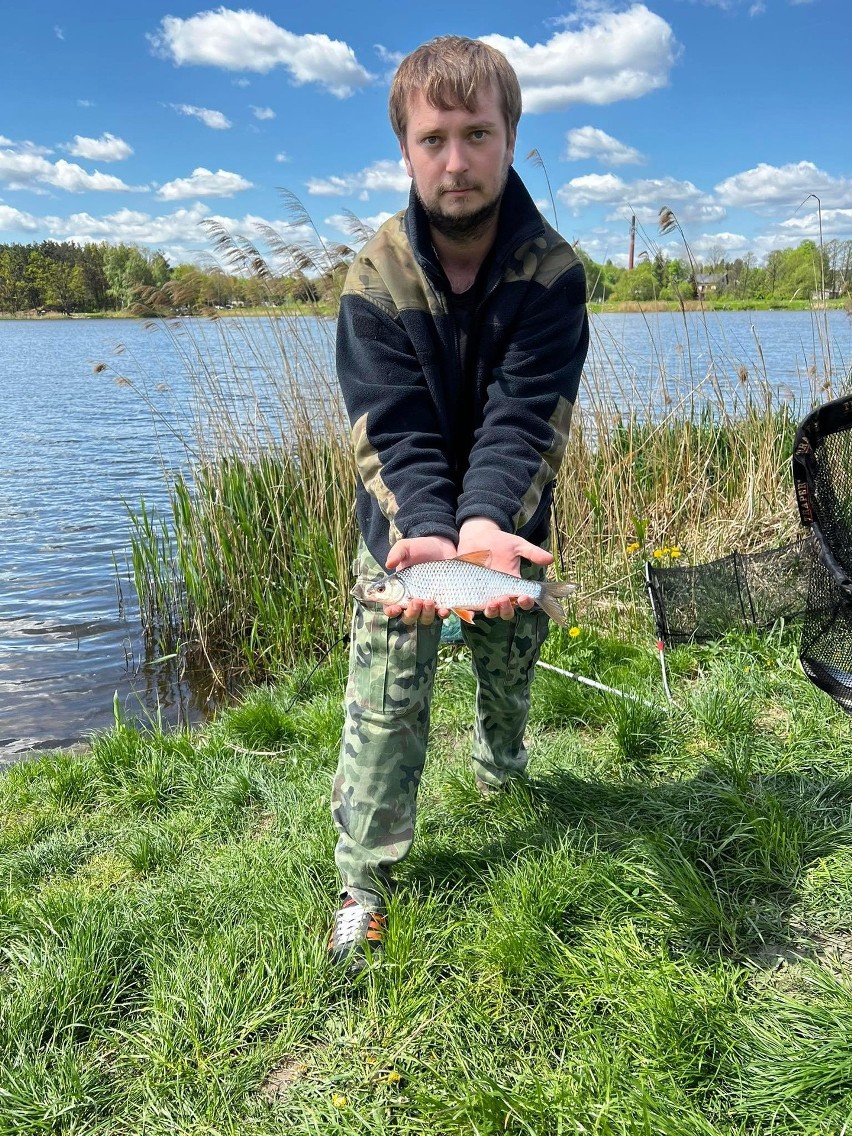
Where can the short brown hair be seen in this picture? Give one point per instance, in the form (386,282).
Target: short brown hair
(450,71)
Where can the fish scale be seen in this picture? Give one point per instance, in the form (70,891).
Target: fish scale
(457,583)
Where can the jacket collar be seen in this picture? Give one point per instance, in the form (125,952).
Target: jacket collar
(518,223)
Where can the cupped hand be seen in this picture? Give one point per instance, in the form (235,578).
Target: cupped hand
(418,550)
(507,550)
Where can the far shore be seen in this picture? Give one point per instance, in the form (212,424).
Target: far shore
(596,306)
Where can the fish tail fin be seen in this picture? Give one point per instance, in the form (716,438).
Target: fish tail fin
(552,591)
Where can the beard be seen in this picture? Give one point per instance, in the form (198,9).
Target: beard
(462,227)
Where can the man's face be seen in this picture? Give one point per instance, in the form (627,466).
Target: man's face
(459,161)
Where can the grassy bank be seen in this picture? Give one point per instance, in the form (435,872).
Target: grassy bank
(651,937)
(327,311)
(717,304)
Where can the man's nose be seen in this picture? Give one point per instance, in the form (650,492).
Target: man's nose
(456,156)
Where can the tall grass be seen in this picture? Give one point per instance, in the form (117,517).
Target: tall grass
(251,569)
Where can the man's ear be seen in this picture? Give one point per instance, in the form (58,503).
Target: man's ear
(406,159)
(511,146)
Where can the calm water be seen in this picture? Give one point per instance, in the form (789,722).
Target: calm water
(80,446)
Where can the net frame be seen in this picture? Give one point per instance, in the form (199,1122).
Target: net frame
(822,478)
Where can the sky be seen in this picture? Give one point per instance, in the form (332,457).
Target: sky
(134,123)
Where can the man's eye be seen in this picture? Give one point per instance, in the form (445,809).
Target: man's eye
(478,135)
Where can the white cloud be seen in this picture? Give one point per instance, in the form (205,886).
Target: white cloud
(611,56)
(85,103)
(212,118)
(394,58)
(592,188)
(130,226)
(731,244)
(28,169)
(281,157)
(590,142)
(178,234)
(644,197)
(343,223)
(263,113)
(107,148)
(381,176)
(247,41)
(768,187)
(58,32)
(73,178)
(204,183)
(14,220)
(837,222)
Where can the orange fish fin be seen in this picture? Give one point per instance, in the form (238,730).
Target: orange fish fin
(464,614)
(481,558)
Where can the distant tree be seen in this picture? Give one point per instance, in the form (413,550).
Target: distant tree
(638,284)
(126,270)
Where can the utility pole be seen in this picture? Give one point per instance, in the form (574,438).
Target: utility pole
(632,244)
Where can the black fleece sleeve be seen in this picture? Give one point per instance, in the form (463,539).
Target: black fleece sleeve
(519,446)
(399,448)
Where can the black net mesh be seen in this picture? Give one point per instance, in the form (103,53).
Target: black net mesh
(822,471)
(810,579)
(701,603)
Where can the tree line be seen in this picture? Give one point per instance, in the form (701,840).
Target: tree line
(62,276)
(802,273)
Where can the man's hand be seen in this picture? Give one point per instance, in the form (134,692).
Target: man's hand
(506,551)
(418,550)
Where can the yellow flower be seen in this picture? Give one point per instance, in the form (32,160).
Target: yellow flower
(659,553)
(634,547)
(573,632)
(393,1078)
(674,551)
(339,1101)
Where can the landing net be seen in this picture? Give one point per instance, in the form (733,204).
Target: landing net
(809,580)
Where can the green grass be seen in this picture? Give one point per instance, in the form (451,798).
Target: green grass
(649,937)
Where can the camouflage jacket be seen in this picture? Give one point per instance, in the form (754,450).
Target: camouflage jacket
(399,367)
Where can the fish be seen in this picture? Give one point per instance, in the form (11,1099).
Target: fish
(464,584)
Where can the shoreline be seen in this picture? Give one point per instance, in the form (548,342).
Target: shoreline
(605,307)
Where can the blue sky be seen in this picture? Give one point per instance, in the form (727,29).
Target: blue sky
(133,123)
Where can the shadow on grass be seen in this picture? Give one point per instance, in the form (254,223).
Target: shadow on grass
(715,862)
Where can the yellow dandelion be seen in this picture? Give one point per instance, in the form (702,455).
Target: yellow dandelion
(573,632)
(393,1078)
(338,1100)
(634,547)
(659,553)
(675,552)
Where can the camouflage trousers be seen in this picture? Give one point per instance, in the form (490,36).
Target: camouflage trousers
(388,700)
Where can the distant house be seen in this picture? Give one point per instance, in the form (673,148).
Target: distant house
(826,294)
(709,282)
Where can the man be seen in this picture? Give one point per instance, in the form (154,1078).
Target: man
(461,338)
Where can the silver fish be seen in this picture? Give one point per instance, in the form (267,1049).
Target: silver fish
(464,585)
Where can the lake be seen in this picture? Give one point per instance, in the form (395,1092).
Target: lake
(96,414)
